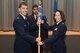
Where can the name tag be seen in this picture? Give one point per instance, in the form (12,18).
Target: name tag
(55,29)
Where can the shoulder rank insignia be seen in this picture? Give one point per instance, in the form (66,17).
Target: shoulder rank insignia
(17,17)
(62,23)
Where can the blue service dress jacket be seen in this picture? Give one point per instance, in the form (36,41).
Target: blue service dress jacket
(23,39)
(58,38)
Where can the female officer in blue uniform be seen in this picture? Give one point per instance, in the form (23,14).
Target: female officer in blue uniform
(59,30)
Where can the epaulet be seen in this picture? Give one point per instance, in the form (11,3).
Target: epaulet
(62,23)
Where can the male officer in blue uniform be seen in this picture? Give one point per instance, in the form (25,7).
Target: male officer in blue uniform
(34,28)
(23,39)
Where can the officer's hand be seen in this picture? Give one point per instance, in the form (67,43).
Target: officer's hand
(40,43)
(50,33)
(39,21)
(42,21)
(38,39)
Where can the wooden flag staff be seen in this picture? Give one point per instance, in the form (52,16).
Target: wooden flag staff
(39,37)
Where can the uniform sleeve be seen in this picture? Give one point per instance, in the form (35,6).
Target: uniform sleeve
(45,24)
(59,34)
(19,28)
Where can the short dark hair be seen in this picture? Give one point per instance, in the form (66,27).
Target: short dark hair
(34,6)
(62,15)
(22,3)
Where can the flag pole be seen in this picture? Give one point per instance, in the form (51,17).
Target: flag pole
(39,37)
(39,13)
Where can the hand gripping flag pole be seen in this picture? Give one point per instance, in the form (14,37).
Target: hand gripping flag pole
(39,37)
(40,11)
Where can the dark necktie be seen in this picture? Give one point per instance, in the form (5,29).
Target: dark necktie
(27,25)
(36,18)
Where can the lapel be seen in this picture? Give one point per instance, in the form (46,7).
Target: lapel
(57,26)
(24,20)
(33,18)
(21,17)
